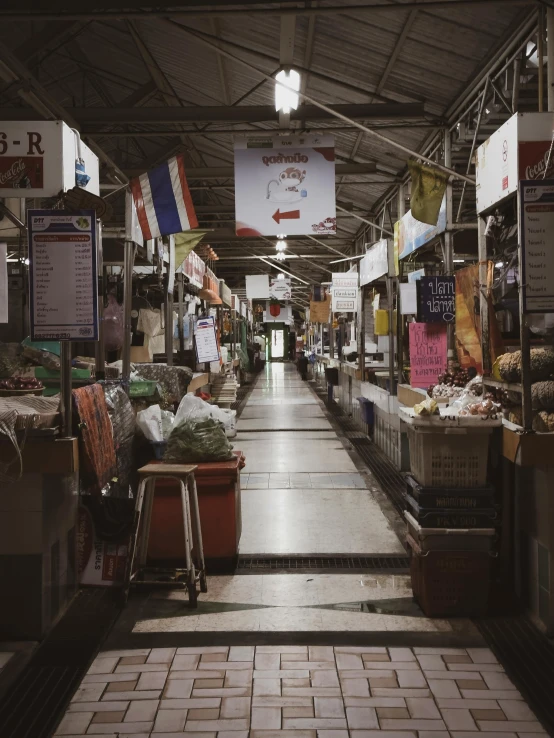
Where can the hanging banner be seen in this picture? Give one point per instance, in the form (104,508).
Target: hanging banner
(536,222)
(285,185)
(194,268)
(428,353)
(437,299)
(206,341)
(63,279)
(375,263)
(412,234)
(280,289)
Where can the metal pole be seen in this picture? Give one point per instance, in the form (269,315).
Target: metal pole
(483,302)
(399,317)
(99,350)
(540,54)
(525,343)
(550,56)
(169,327)
(449,239)
(361,332)
(65,372)
(181,312)
(390,298)
(128,262)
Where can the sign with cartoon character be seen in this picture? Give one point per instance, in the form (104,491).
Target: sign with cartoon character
(285,186)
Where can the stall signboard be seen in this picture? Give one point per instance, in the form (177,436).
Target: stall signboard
(375,262)
(225,294)
(536,222)
(518,150)
(280,289)
(206,341)
(344,279)
(285,185)
(345,299)
(63,275)
(428,353)
(37,159)
(194,268)
(437,299)
(413,234)
(415,275)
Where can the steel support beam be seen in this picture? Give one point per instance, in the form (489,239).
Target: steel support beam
(229,172)
(223,113)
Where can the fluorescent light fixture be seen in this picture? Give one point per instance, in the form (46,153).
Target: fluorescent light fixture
(280,275)
(286,93)
(281,235)
(459,261)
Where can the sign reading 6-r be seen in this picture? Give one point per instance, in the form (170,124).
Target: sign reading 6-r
(3,143)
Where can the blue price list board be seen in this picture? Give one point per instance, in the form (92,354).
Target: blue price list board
(436,299)
(63,275)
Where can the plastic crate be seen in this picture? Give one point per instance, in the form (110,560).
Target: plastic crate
(450,498)
(366,408)
(444,518)
(142,388)
(450,583)
(449,457)
(450,539)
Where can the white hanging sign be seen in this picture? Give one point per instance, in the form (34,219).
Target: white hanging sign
(280,289)
(206,341)
(285,185)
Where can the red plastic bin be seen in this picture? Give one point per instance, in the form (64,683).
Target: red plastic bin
(219,500)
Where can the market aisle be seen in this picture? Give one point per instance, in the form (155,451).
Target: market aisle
(302,491)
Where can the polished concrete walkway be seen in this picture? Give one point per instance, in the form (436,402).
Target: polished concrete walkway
(302,491)
(309,655)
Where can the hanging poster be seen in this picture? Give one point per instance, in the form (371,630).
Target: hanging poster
(63,281)
(428,353)
(206,341)
(375,263)
(437,299)
(285,185)
(280,289)
(536,219)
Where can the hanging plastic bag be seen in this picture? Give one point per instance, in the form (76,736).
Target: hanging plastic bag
(150,423)
(113,324)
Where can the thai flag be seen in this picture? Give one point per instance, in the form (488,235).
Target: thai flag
(162,199)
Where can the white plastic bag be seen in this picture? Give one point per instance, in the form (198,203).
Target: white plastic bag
(151,424)
(195,408)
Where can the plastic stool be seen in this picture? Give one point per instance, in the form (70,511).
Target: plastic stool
(194,552)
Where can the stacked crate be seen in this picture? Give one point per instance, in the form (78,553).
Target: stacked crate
(450,514)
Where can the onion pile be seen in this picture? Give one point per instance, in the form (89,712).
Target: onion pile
(21,383)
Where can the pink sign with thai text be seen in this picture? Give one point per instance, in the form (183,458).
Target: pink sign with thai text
(428,353)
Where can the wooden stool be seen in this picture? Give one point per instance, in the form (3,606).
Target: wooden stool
(194,553)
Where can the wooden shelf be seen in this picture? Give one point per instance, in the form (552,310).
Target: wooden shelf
(502,385)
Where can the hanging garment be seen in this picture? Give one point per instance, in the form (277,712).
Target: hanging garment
(95,438)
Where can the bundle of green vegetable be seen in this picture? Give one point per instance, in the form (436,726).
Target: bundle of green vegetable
(198,440)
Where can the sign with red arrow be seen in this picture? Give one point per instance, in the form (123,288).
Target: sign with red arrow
(285,186)
(278,216)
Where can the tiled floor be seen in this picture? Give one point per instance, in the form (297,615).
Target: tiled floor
(303,493)
(298,692)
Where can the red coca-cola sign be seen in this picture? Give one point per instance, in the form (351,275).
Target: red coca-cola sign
(21,172)
(533,160)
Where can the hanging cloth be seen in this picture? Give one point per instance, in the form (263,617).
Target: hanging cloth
(428,188)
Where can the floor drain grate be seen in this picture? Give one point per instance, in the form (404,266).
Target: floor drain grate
(528,657)
(33,705)
(308,563)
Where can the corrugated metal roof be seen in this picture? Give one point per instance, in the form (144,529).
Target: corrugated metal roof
(442,51)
